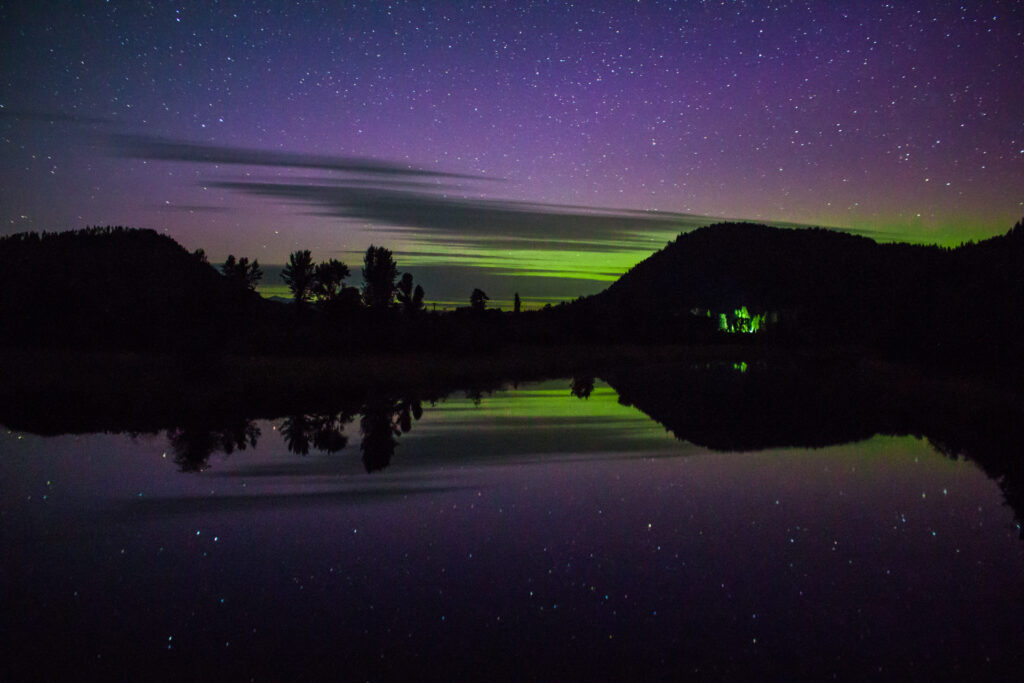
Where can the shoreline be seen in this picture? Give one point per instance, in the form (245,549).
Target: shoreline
(108,391)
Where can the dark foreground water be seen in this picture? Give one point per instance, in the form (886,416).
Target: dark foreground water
(524,534)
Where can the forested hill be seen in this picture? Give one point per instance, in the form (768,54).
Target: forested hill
(828,287)
(115,288)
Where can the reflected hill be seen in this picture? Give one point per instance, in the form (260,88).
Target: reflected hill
(722,406)
(750,407)
(760,406)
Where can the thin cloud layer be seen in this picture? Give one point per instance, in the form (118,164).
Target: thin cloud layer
(556,227)
(167,149)
(405,199)
(44,116)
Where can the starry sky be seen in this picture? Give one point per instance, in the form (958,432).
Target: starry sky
(540,147)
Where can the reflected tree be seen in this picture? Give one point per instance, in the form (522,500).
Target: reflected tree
(329,432)
(407,410)
(324,432)
(297,434)
(193,445)
(382,422)
(380,435)
(581,387)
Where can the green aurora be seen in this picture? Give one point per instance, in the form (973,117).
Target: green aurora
(544,270)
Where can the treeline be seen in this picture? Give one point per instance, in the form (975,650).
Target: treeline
(122,289)
(324,284)
(386,312)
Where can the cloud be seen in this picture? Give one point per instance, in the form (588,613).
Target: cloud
(40,116)
(166,149)
(192,208)
(419,203)
(554,226)
(161,507)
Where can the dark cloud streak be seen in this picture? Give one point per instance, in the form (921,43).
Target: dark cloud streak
(555,226)
(165,149)
(414,201)
(40,116)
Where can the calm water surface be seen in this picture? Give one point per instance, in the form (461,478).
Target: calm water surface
(524,534)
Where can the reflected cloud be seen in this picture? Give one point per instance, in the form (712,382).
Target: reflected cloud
(160,507)
(192,208)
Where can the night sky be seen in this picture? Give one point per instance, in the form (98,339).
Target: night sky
(540,147)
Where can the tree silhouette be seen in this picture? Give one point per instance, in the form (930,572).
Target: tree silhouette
(379,432)
(581,387)
(194,444)
(297,432)
(329,431)
(406,410)
(516,304)
(383,420)
(478,300)
(410,299)
(323,431)
(242,273)
(1017,231)
(299,274)
(329,280)
(379,273)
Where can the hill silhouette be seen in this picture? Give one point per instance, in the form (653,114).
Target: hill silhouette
(114,288)
(122,289)
(822,287)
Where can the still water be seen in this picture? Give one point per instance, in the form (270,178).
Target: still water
(522,534)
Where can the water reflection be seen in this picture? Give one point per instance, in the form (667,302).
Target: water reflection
(381,422)
(325,432)
(581,387)
(757,406)
(750,407)
(379,427)
(557,517)
(720,406)
(193,445)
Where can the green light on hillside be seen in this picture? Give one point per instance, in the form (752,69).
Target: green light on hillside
(740,321)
